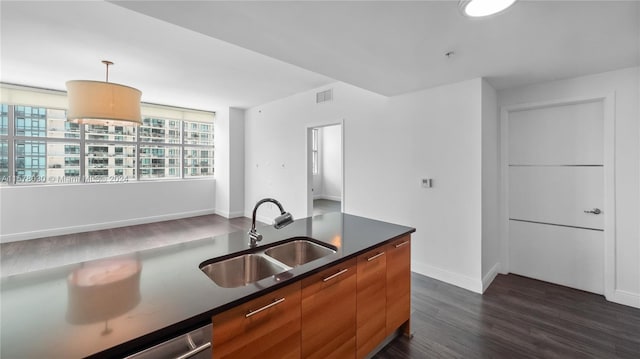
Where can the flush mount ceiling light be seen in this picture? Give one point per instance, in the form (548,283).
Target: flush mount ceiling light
(481,8)
(103,103)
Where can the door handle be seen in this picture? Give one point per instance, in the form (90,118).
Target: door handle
(594,211)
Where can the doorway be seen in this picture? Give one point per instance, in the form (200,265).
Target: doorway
(325,169)
(557,169)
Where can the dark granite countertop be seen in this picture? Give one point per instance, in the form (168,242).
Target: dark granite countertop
(111,307)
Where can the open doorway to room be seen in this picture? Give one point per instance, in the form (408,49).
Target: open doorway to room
(325,169)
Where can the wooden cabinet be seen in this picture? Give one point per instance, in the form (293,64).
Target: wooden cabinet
(371,300)
(399,284)
(329,312)
(265,327)
(344,311)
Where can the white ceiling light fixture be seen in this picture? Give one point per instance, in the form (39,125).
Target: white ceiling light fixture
(103,103)
(482,8)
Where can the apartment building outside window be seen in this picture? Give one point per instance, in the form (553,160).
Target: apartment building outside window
(4,143)
(38,145)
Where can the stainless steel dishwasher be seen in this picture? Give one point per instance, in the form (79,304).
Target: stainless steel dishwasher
(195,344)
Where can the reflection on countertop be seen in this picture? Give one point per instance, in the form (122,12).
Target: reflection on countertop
(103,289)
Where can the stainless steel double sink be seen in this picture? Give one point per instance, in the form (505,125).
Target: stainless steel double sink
(251,267)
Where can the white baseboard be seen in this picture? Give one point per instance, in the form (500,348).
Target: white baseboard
(625,298)
(50,232)
(330,198)
(490,276)
(227,214)
(236,214)
(459,280)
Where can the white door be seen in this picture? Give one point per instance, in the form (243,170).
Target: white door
(556,194)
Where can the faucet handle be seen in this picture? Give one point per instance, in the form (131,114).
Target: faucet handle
(254,237)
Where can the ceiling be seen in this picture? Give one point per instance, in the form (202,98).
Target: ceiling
(45,44)
(207,54)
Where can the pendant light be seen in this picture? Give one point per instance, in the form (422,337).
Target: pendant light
(482,8)
(103,103)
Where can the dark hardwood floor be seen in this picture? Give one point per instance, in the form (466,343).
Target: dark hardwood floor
(517,317)
(49,252)
(322,206)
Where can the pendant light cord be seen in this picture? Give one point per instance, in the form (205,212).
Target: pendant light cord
(107,63)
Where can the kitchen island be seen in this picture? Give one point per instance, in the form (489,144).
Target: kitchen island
(154,295)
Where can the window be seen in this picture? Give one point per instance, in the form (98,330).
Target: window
(314,150)
(4,119)
(30,121)
(72,149)
(198,162)
(198,157)
(198,133)
(110,133)
(156,161)
(72,161)
(38,145)
(4,160)
(30,165)
(106,160)
(158,151)
(98,173)
(72,173)
(58,127)
(160,131)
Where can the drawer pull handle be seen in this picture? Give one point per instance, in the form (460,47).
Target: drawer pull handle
(253,312)
(335,275)
(401,244)
(195,351)
(374,257)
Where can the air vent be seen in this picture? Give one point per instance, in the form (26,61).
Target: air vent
(324,96)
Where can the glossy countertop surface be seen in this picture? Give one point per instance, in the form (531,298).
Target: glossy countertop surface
(111,307)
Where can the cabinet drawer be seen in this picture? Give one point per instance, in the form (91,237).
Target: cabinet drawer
(329,312)
(265,327)
(398,284)
(328,278)
(371,300)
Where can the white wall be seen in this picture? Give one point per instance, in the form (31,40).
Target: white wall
(436,134)
(390,144)
(236,163)
(28,212)
(229,162)
(490,185)
(221,160)
(624,84)
(331,163)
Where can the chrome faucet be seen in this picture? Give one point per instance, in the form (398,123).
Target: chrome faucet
(282,220)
